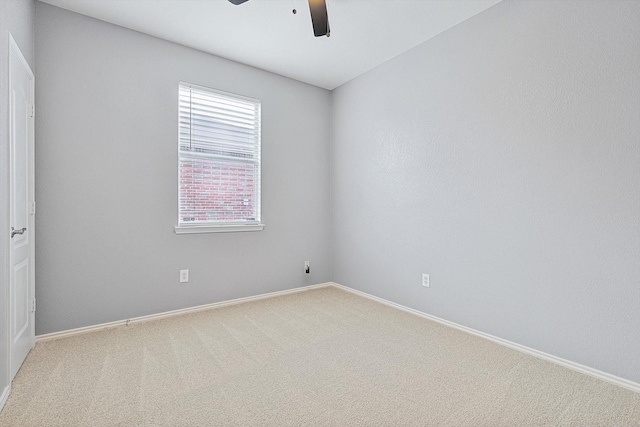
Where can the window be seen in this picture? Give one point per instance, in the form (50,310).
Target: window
(218,161)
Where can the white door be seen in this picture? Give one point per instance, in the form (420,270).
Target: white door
(21,208)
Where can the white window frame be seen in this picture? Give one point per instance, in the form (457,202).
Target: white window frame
(221,226)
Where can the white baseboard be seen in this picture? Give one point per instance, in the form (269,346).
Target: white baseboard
(621,382)
(93,328)
(4,396)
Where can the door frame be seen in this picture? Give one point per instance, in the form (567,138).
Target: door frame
(16,54)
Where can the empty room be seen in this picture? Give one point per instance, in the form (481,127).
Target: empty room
(320,212)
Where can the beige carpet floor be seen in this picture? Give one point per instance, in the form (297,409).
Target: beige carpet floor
(321,357)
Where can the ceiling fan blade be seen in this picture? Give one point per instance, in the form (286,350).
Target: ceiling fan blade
(319,17)
(237,2)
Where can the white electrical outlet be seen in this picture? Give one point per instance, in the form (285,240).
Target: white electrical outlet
(425,280)
(306,266)
(184,276)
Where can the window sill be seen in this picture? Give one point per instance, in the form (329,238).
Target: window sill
(197,229)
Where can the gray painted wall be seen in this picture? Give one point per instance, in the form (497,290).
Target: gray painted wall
(17,17)
(106,174)
(503,158)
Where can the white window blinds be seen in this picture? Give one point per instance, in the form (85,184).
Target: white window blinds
(219,158)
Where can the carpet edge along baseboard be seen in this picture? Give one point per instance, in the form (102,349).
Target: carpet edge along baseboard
(604,376)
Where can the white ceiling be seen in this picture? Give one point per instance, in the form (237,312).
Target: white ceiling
(267,35)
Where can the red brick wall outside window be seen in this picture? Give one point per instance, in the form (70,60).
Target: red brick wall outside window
(216,191)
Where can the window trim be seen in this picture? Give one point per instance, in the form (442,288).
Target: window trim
(230,228)
(210,227)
